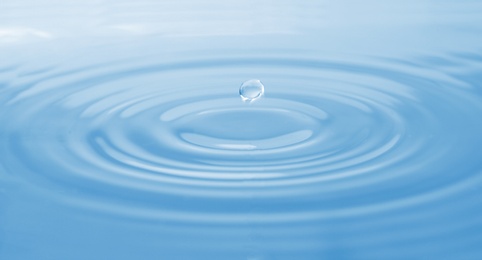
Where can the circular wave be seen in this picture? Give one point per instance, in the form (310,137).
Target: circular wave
(330,138)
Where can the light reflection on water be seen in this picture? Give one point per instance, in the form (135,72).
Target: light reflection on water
(122,134)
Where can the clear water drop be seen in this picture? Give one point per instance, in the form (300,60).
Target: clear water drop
(251,90)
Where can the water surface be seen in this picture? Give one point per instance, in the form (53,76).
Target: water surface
(123,134)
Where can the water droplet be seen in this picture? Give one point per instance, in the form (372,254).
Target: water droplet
(251,90)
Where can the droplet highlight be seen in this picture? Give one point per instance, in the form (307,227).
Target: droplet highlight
(251,90)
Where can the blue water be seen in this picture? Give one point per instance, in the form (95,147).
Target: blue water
(123,134)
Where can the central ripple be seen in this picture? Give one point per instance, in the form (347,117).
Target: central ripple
(245,129)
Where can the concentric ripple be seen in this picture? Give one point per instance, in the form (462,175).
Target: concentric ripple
(240,130)
(331,138)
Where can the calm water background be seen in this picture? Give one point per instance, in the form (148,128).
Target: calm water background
(122,134)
